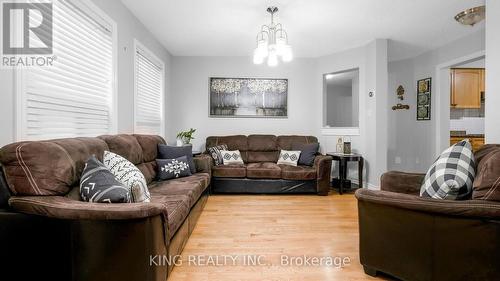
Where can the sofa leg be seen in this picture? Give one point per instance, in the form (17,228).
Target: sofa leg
(370,270)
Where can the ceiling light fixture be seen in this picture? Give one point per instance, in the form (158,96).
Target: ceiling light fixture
(272,43)
(471,16)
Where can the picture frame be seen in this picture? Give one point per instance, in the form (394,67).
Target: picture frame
(424,97)
(248,97)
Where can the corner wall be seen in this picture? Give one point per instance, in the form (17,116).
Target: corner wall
(492,120)
(412,143)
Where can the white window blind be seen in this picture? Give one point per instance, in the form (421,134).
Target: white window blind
(149,75)
(74,97)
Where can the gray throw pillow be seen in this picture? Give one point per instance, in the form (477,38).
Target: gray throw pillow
(98,184)
(173,168)
(172,152)
(308,152)
(216,155)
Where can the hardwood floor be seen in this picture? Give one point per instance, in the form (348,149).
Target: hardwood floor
(265,228)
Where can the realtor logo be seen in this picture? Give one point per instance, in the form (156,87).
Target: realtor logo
(27,35)
(27,28)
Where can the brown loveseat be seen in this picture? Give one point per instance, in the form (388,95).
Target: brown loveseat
(416,238)
(93,241)
(261,174)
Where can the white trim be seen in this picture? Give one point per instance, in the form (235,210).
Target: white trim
(161,64)
(443,99)
(340,131)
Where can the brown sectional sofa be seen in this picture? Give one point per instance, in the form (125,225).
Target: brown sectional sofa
(93,241)
(414,238)
(261,174)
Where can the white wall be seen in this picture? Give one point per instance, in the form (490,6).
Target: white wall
(371,141)
(189,100)
(411,141)
(492,114)
(128,28)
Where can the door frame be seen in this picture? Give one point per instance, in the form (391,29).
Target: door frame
(443,89)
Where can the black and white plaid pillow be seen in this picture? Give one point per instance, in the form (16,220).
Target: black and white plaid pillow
(452,174)
(216,155)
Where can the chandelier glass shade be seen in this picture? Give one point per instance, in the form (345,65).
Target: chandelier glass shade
(272,43)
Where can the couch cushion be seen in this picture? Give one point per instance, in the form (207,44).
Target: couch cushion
(149,145)
(126,146)
(177,210)
(263,170)
(262,148)
(236,142)
(487,182)
(149,170)
(47,167)
(229,171)
(286,142)
(297,172)
(191,186)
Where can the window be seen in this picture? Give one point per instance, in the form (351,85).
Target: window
(149,85)
(75,96)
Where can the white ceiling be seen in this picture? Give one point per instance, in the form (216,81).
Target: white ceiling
(315,27)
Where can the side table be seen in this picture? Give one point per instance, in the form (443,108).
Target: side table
(343,159)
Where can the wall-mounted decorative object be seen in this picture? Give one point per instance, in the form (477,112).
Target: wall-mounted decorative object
(248,97)
(400,91)
(424,99)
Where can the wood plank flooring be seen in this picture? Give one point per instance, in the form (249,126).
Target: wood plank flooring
(265,228)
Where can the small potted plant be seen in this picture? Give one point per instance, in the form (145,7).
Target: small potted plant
(185,137)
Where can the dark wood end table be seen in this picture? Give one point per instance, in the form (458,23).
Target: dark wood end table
(343,159)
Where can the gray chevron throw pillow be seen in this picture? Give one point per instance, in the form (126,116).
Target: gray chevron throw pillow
(98,184)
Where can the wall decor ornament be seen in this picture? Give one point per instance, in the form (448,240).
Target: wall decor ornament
(400,92)
(424,99)
(248,97)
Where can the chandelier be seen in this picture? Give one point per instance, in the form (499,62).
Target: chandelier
(272,42)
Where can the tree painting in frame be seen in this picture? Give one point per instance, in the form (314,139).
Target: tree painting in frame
(248,97)
(424,99)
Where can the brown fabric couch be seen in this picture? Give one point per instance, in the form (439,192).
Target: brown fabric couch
(261,174)
(415,238)
(97,241)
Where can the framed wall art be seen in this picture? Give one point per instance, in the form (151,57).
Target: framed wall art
(424,99)
(248,97)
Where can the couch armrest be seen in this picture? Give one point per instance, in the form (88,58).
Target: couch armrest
(203,163)
(408,183)
(323,165)
(462,208)
(65,208)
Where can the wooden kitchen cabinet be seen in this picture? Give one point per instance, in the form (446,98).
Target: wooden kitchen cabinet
(476,142)
(482,82)
(466,84)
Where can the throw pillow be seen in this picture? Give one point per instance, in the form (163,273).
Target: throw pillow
(289,157)
(98,184)
(172,152)
(173,168)
(452,174)
(231,157)
(129,175)
(487,183)
(216,155)
(307,152)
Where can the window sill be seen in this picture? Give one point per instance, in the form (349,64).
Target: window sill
(340,131)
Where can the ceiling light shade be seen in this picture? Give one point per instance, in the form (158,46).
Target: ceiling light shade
(257,57)
(272,42)
(471,16)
